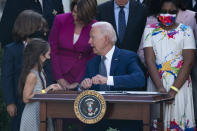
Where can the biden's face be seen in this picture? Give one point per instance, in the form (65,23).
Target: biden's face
(97,41)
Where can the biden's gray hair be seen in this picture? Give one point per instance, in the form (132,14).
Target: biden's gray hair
(106,29)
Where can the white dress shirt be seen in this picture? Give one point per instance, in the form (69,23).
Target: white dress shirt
(194,2)
(116,13)
(141,1)
(109,55)
(41,4)
(24,43)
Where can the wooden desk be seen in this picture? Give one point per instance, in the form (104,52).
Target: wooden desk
(123,107)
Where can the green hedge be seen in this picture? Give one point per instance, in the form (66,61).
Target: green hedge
(4,118)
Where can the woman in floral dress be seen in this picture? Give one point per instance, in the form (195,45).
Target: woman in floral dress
(169,53)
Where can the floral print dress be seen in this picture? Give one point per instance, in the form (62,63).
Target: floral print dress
(168,47)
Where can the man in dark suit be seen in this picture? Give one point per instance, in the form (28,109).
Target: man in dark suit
(111,69)
(48,8)
(191,4)
(128,18)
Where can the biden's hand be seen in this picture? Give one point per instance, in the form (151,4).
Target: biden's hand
(99,79)
(86,83)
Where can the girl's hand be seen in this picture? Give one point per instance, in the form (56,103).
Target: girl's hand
(54,87)
(171,94)
(63,83)
(72,86)
(162,90)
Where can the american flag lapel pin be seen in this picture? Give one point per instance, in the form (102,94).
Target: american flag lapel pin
(54,12)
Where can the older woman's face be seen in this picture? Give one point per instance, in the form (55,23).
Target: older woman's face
(121,2)
(74,13)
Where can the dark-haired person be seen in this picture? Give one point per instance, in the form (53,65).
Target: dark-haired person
(28,24)
(169,49)
(69,37)
(32,81)
(183,16)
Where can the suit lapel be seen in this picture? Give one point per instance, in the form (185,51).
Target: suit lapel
(36,6)
(195,7)
(130,18)
(113,20)
(144,2)
(115,60)
(20,53)
(96,65)
(112,15)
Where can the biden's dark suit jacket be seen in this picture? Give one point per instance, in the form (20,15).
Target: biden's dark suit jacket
(124,68)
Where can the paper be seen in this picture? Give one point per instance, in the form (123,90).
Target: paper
(130,93)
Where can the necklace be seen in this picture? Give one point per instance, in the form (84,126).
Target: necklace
(168,28)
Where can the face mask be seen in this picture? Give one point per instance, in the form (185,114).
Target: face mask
(46,62)
(167,19)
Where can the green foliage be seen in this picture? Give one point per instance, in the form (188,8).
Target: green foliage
(4,118)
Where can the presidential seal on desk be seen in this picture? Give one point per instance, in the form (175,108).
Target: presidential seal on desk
(90,107)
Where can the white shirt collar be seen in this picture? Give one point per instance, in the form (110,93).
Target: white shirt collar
(141,1)
(117,6)
(41,3)
(110,53)
(24,43)
(193,2)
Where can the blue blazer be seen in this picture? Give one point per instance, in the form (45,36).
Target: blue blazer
(11,69)
(126,73)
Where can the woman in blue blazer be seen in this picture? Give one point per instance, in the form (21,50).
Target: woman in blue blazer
(28,24)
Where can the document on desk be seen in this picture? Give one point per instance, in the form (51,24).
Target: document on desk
(129,93)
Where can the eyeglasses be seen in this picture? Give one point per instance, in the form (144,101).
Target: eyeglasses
(168,11)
